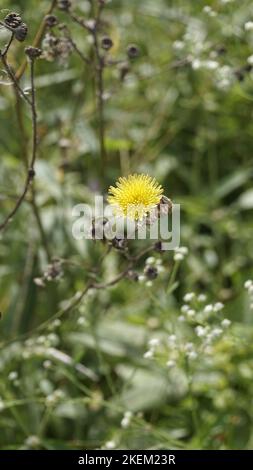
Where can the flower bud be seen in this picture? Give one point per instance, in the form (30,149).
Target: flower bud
(33,52)
(106,43)
(20,32)
(133,51)
(51,21)
(13,20)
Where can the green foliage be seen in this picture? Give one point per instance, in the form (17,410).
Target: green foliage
(73,369)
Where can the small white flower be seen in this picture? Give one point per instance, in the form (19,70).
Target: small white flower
(178,257)
(248,26)
(250,289)
(211,64)
(160,269)
(125,423)
(13,376)
(185,308)
(189,346)
(149,284)
(142,279)
(201,298)
(150,260)
(190,313)
(196,64)
(218,306)
(192,355)
(56,322)
(208,308)
(200,331)
(110,445)
(178,45)
(181,318)
(170,364)
(225,323)
(209,11)
(41,339)
(189,297)
(154,342)
(248,284)
(172,338)
(32,441)
(250,60)
(148,355)
(80,321)
(47,364)
(216,332)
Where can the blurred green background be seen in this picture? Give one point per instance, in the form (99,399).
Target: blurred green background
(183,114)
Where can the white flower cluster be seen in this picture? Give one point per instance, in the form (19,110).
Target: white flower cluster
(153,344)
(209,11)
(180,253)
(249,287)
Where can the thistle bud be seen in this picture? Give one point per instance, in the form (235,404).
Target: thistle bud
(51,21)
(106,43)
(133,51)
(20,32)
(33,52)
(64,5)
(151,272)
(13,20)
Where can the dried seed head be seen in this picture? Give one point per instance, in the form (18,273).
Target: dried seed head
(106,43)
(51,21)
(33,52)
(133,51)
(119,243)
(64,4)
(13,20)
(151,272)
(21,32)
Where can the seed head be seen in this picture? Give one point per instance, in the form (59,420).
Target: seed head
(133,51)
(106,43)
(51,21)
(13,20)
(64,5)
(20,32)
(33,52)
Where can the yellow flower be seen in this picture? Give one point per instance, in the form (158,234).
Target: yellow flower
(135,196)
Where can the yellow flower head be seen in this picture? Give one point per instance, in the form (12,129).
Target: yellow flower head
(135,196)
